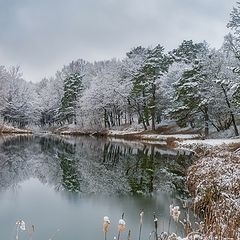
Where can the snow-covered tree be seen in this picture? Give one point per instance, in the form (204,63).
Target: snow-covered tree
(48,95)
(16,104)
(144,88)
(72,89)
(187,51)
(183,59)
(205,91)
(104,102)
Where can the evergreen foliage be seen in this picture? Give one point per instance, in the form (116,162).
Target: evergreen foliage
(72,88)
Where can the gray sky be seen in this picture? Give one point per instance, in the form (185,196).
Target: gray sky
(43,35)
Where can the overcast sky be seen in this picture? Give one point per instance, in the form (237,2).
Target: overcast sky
(43,35)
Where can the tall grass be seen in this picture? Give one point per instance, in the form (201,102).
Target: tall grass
(214,183)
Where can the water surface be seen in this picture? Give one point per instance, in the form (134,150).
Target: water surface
(65,186)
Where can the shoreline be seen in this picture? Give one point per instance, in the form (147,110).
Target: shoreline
(178,140)
(4,130)
(173,140)
(215,169)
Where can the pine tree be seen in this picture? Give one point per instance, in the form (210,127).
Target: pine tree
(154,67)
(72,89)
(187,51)
(193,92)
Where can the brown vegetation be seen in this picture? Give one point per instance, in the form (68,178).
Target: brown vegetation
(214,183)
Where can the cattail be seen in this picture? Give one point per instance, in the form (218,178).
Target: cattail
(155,220)
(141,222)
(174,212)
(170,209)
(173,236)
(106,223)
(121,225)
(21,224)
(129,235)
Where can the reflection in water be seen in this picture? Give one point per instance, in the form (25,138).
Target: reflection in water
(70,177)
(90,165)
(71,183)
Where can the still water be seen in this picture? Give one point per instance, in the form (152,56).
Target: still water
(65,186)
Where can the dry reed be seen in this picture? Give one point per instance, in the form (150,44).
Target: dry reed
(214,183)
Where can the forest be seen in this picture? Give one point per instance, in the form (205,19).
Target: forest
(194,84)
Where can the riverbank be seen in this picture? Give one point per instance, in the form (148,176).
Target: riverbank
(214,184)
(5,129)
(168,133)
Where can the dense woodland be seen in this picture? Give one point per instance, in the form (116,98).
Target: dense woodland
(194,84)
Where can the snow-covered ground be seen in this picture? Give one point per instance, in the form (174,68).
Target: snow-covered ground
(9,129)
(123,132)
(165,137)
(155,137)
(182,140)
(208,142)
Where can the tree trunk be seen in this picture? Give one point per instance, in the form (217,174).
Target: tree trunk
(119,119)
(106,121)
(206,121)
(234,125)
(153,106)
(145,109)
(112,119)
(232,115)
(141,118)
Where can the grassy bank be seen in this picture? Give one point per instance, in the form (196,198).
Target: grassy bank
(214,183)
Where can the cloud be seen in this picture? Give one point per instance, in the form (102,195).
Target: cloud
(41,36)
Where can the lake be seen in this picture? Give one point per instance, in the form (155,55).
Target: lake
(64,186)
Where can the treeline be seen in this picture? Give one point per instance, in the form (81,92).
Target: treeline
(193,84)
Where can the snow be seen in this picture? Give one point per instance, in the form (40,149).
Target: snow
(208,142)
(145,136)
(9,129)
(121,222)
(21,224)
(121,133)
(106,219)
(165,137)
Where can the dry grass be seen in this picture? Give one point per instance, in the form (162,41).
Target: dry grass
(214,183)
(234,147)
(174,129)
(172,142)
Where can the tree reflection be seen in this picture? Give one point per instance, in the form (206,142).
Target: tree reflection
(90,165)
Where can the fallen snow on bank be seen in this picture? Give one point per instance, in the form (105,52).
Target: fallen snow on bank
(122,133)
(208,142)
(10,129)
(142,135)
(165,137)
